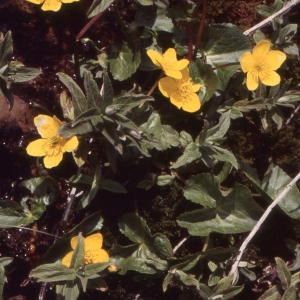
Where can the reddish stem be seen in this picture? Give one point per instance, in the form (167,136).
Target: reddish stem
(87,26)
(190,41)
(200,30)
(226,65)
(196,9)
(155,84)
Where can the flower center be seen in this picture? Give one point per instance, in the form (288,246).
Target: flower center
(52,146)
(259,65)
(185,91)
(88,256)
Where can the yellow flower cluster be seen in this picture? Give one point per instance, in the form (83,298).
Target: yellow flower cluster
(53,5)
(261,64)
(177,85)
(51,145)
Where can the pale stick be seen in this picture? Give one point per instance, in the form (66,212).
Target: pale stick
(260,221)
(274,16)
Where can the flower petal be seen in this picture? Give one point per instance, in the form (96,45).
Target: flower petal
(261,49)
(252,80)
(181,64)
(155,57)
(69,1)
(274,59)
(94,241)
(67,259)
(196,87)
(176,99)
(36,1)
(100,256)
(193,104)
(53,161)
(269,77)
(167,86)
(170,54)
(47,126)
(36,148)
(74,242)
(173,73)
(247,62)
(68,145)
(53,5)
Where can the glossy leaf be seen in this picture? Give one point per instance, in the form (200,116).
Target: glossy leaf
(94,98)
(98,6)
(52,272)
(283,273)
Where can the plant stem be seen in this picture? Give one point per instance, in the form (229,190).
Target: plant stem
(226,65)
(180,244)
(272,17)
(88,25)
(200,29)
(155,84)
(259,223)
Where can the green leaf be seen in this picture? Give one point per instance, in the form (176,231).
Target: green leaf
(271,294)
(6,48)
(235,213)
(144,2)
(79,100)
(112,186)
(283,273)
(191,153)
(185,139)
(290,294)
(223,44)
(164,179)
(78,254)
(67,106)
(92,269)
(52,272)
(98,6)
(9,97)
(204,74)
(94,98)
(186,279)
(125,64)
(224,155)
(107,92)
(269,10)
(203,189)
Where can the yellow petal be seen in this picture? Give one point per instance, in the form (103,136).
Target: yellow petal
(94,241)
(173,73)
(196,87)
(176,99)
(100,256)
(246,61)
(69,1)
(53,5)
(181,64)
(193,104)
(274,59)
(47,126)
(252,80)
(53,161)
(269,77)
(74,242)
(67,259)
(36,148)
(170,54)
(70,144)
(261,49)
(167,86)
(185,74)
(155,57)
(36,1)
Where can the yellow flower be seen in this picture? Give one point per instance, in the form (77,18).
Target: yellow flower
(182,92)
(168,62)
(262,64)
(92,250)
(52,145)
(54,5)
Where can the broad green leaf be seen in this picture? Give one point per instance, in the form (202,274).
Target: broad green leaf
(94,98)
(191,153)
(295,279)
(162,246)
(203,189)
(6,48)
(290,294)
(66,106)
(18,73)
(79,100)
(167,281)
(235,213)
(98,6)
(271,294)
(269,10)
(78,254)
(204,74)
(169,137)
(164,179)
(52,272)
(223,44)
(186,279)
(112,186)
(215,276)
(283,273)
(4,261)
(187,263)
(92,269)
(71,289)
(125,64)
(185,139)
(226,169)
(144,2)
(222,154)
(107,92)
